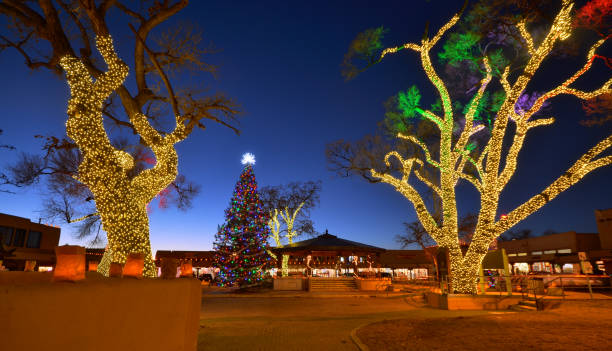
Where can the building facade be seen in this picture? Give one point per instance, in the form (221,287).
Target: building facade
(25,243)
(559,253)
(325,256)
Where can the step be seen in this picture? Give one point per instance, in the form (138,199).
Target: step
(346,289)
(528,303)
(523,308)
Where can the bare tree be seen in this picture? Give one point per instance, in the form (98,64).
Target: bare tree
(6,146)
(292,202)
(487,165)
(4,180)
(158,114)
(514,234)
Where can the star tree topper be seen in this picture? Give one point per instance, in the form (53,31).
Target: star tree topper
(248,159)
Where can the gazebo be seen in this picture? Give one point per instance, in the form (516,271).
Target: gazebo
(328,256)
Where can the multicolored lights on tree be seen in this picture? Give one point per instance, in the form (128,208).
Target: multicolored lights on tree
(494,165)
(121,200)
(241,245)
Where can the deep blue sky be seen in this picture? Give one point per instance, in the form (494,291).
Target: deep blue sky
(281,61)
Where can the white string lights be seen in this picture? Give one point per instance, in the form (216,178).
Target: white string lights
(120,200)
(490,180)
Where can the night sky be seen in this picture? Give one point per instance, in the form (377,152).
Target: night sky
(281,61)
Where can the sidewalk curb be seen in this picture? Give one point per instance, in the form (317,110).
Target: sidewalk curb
(356,340)
(304,295)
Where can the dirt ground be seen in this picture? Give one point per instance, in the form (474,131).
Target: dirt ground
(573,325)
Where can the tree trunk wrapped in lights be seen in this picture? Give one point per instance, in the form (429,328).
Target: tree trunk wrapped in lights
(292,203)
(491,175)
(121,201)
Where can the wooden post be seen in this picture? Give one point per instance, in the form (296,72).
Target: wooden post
(589,284)
(507,273)
(482,283)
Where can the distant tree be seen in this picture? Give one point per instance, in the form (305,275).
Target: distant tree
(549,232)
(415,233)
(6,146)
(77,43)
(516,234)
(292,203)
(3,178)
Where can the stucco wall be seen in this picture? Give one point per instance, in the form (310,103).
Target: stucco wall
(470,302)
(98,313)
(604,226)
(373,284)
(290,283)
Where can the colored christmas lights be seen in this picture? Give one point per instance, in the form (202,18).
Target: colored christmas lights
(241,245)
(489,180)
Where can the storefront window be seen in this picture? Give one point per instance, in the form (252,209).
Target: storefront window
(521,268)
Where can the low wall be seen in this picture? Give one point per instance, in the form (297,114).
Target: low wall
(470,302)
(373,284)
(98,313)
(290,283)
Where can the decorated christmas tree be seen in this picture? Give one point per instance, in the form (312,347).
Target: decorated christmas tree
(241,242)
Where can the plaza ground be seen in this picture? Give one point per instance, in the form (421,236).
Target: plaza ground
(306,321)
(572,325)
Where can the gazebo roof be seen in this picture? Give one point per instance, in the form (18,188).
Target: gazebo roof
(328,242)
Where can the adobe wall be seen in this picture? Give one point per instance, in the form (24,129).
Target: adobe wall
(373,284)
(470,302)
(98,313)
(558,241)
(604,226)
(290,283)
(50,235)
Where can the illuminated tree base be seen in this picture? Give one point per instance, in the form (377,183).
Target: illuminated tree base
(104,265)
(129,233)
(285,266)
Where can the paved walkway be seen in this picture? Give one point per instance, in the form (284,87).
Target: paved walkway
(301,322)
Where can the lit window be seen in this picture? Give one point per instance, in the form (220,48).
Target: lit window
(568,268)
(511,255)
(564,251)
(536,252)
(550,251)
(522,254)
